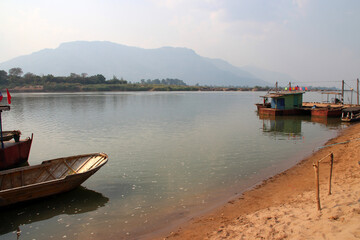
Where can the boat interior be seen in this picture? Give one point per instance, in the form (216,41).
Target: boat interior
(50,170)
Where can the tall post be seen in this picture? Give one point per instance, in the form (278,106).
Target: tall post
(357,91)
(276,86)
(331,170)
(317,182)
(1,133)
(342,92)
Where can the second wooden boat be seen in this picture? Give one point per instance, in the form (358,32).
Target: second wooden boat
(12,153)
(48,178)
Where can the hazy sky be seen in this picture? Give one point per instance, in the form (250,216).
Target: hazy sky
(311,40)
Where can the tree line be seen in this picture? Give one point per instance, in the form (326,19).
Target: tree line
(16,78)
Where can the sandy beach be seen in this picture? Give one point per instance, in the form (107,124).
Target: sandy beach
(285,206)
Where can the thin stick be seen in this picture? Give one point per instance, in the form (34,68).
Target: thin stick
(1,132)
(331,168)
(316,168)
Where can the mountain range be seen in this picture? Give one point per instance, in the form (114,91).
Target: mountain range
(133,64)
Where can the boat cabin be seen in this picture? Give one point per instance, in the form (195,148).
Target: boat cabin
(282,103)
(285,100)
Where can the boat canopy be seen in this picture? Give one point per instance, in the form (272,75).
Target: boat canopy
(282,94)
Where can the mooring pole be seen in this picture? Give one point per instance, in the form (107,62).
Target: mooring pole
(331,170)
(1,133)
(357,90)
(342,92)
(317,182)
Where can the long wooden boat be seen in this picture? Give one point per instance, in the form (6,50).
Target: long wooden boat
(48,178)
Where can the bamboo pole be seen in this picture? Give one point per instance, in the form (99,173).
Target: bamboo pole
(357,89)
(317,182)
(342,92)
(1,132)
(331,169)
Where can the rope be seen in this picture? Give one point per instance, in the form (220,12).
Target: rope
(325,157)
(355,139)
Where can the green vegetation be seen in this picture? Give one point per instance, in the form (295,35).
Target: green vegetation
(30,82)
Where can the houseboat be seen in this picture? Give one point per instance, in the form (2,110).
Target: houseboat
(281,103)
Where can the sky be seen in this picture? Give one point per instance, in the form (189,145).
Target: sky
(310,40)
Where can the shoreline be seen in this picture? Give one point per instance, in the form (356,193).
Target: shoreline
(284,206)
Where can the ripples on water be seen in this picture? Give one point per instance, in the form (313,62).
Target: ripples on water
(171,155)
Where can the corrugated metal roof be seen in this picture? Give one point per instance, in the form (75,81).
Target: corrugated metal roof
(282,94)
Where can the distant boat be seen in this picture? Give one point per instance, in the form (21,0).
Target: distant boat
(12,152)
(350,114)
(48,178)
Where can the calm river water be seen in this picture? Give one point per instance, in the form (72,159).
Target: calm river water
(171,156)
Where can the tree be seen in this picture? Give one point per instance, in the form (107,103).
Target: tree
(17,72)
(3,77)
(74,75)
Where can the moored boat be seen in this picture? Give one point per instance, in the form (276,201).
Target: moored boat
(15,152)
(351,114)
(48,178)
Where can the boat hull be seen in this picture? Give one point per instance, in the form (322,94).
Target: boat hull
(46,179)
(14,154)
(278,112)
(43,190)
(325,112)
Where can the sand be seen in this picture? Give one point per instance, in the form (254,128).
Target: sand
(285,207)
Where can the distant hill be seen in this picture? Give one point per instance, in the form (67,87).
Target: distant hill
(134,64)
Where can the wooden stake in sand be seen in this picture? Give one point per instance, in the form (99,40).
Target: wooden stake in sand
(316,168)
(331,168)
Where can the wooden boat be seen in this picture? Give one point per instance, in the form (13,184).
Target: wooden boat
(48,178)
(12,153)
(351,114)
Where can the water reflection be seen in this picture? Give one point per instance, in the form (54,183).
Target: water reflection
(290,127)
(77,201)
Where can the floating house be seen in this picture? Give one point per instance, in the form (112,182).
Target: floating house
(282,103)
(291,103)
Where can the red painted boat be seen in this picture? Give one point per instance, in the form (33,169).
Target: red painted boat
(326,112)
(12,153)
(15,153)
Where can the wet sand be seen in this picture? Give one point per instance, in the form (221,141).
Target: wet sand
(285,207)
